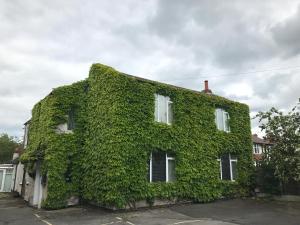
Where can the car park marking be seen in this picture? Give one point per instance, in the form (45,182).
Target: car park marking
(120,220)
(45,221)
(187,221)
(130,223)
(112,222)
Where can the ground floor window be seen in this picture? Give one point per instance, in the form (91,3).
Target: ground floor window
(161,167)
(228,167)
(256,163)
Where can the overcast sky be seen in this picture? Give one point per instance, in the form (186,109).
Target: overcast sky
(248,50)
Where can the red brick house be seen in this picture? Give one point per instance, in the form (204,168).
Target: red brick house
(260,147)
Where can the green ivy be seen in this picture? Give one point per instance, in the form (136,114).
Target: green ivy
(57,151)
(115,133)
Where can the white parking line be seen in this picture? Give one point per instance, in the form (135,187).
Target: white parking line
(188,221)
(111,223)
(130,223)
(107,223)
(45,221)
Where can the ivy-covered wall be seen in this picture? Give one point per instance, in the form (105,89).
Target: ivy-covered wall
(115,134)
(122,132)
(59,154)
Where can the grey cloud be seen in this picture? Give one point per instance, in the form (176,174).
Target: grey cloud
(45,44)
(287,33)
(228,33)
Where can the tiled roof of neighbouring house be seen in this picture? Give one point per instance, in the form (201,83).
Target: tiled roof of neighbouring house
(258,140)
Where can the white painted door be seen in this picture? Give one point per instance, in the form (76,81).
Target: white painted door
(38,192)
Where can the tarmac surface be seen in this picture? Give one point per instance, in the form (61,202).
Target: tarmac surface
(14,211)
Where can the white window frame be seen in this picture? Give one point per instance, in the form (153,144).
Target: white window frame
(224,116)
(167,166)
(231,160)
(230,166)
(171,103)
(26,134)
(167,108)
(150,168)
(220,164)
(4,169)
(256,148)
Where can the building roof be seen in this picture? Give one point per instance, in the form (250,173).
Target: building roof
(258,140)
(27,122)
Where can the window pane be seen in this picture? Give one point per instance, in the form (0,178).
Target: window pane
(158,166)
(71,120)
(170,112)
(149,168)
(220,125)
(220,168)
(225,167)
(156,108)
(259,149)
(162,105)
(233,169)
(7,182)
(171,170)
(226,121)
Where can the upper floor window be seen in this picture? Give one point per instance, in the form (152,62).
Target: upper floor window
(163,109)
(257,149)
(222,120)
(69,125)
(71,120)
(26,134)
(162,167)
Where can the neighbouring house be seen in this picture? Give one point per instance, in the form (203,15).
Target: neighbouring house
(6,177)
(261,147)
(121,141)
(8,173)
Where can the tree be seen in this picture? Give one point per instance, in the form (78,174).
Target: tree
(7,146)
(283,130)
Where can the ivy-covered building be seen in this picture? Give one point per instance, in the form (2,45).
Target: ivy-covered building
(119,141)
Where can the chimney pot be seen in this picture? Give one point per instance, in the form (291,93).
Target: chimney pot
(206,89)
(206,85)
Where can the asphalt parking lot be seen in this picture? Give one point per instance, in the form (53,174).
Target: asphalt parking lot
(14,211)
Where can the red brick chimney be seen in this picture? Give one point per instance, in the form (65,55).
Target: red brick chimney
(206,89)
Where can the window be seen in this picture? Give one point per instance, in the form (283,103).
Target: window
(228,167)
(162,167)
(26,135)
(257,148)
(170,169)
(71,120)
(256,163)
(163,109)
(222,120)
